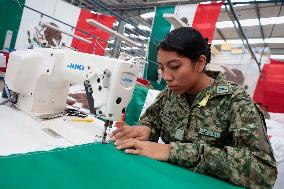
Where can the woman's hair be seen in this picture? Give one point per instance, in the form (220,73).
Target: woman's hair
(188,42)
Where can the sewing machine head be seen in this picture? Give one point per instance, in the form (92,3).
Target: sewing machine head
(42,77)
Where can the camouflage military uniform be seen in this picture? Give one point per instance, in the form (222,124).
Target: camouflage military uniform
(223,136)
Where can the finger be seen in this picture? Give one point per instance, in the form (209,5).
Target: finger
(116,131)
(125,139)
(133,151)
(129,143)
(120,142)
(123,133)
(138,151)
(130,135)
(142,138)
(119,124)
(70,101)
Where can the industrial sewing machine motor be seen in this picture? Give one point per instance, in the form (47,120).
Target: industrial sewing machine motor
(41,78)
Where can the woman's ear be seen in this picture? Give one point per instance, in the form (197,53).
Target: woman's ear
(201,63)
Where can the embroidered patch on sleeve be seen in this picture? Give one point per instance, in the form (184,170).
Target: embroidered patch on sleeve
(221,89)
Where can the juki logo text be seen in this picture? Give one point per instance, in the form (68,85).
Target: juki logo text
(76,66)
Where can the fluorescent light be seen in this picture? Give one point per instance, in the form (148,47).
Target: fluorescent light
(256,41)
(251,41)
(148,15)
(129,26)
(116,23)
(67,33)
(233,41)
(272,20)
(111,41)
(174,20)
(224,24)
(275,40)
(237,5)
(142,27)
(278,57)
(209,2)
(252,22)
(142,37)
(133,36)
(112,32)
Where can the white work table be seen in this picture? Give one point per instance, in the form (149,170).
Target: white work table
(22,133)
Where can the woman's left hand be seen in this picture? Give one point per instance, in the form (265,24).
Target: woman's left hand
(145,148)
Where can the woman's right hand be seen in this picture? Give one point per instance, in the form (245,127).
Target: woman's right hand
(137,132)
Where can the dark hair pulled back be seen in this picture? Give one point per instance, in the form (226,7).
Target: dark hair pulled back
(188,42)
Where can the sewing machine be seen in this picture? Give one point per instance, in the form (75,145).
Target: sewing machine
(40,78)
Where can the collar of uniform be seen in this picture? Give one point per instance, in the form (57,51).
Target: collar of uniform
(219,80)
(220,85)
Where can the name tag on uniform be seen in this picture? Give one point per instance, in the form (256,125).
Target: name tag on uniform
(179,134)
(208,132)
(221,89)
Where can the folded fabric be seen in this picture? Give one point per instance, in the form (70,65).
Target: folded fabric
(141,99)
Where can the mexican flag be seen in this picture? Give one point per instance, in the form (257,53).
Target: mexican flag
(141,99)
(202,17)
(270,87)
(29,30)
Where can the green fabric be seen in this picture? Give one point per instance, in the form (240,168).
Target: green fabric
(160,29)
(97,166)
(135,105)
(10,18)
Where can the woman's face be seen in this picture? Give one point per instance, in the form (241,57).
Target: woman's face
(180,73)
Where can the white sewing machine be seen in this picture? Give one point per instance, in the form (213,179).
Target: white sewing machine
(42,77)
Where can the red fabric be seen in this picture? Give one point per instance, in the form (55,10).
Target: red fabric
(143,81)
(272,61)
(270,87)
(205,19)
(96,48)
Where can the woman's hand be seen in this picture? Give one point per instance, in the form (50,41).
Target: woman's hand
(125,132)
(145,148)
(78,97)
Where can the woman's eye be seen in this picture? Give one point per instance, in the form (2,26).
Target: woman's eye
(161,68)
(174,67)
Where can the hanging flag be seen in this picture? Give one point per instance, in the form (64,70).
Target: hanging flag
(270,87)
(10,18)
(32,30)
(99,42)
(205,19)
(239,68)
(141,99)
(202,17)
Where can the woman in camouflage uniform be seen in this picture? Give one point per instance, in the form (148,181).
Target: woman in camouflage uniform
(208,124)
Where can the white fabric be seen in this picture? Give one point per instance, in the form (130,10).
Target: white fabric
(150,98)
(186,11)
(275,130)
(58,9)
(279,117)
(2,61)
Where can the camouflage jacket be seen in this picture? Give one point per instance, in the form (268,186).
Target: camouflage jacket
(223,136)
